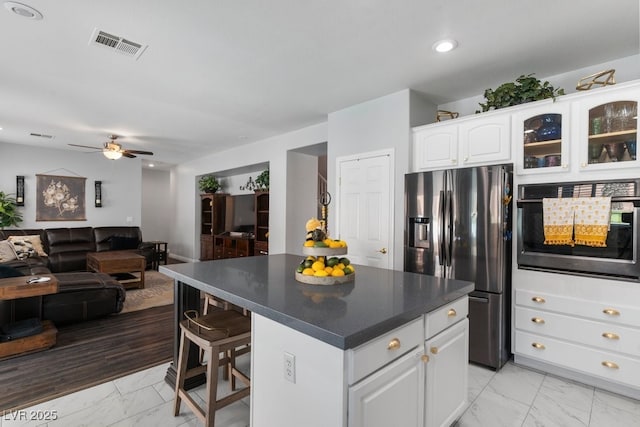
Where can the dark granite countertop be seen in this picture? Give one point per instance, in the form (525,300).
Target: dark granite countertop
(344,316)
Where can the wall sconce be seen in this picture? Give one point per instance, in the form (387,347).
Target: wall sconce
(20,190)
(98,194)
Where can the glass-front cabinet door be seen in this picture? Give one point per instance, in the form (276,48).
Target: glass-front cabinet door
(541,135)
(609,132)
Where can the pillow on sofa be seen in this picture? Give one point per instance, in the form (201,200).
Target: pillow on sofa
(26,246)
(9,272)
(119,243)
(6,251)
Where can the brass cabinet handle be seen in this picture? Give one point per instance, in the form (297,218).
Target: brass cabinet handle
(451,313)
(537,320)
(434,350)
(394,344)
(424,358)
(538,345)
(539,300)
(611,312)
(610,365)
(611,336)
(383,251)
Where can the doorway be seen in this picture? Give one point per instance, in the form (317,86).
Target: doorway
(365,211)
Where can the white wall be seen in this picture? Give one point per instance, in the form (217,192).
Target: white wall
(302,197)
(185,238)
(383,123)
(121,183)
(157,205)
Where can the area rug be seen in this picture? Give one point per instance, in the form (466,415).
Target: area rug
(158,290)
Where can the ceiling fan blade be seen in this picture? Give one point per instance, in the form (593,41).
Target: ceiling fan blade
(128,154)
(86,146)
(139,152)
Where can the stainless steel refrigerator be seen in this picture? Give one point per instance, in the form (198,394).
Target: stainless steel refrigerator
(459,225)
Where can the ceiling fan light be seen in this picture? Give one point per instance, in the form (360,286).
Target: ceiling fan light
(112,155)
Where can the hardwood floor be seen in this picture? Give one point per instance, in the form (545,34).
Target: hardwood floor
(87,354)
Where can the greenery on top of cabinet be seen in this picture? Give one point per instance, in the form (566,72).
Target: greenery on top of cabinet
(524,89)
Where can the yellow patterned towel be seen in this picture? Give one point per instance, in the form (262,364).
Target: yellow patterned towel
(558,221)
(592,220)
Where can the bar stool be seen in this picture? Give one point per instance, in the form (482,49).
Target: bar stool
(214,301)
(219,333)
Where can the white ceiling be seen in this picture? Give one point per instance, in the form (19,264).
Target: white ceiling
(219,73)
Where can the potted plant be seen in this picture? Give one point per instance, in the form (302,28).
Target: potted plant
(524,89)
(262,181)
(209,184)
(9,214)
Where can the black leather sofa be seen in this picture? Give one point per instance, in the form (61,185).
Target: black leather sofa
(81,295)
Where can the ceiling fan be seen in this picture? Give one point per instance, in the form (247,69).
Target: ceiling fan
(113,151)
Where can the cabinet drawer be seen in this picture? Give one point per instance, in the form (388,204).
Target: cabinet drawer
(375,354)
(606,336)
(447,315)
(603,310)
(610,366)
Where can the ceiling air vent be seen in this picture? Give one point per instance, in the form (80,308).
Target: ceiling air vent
(41,135)
(117,44)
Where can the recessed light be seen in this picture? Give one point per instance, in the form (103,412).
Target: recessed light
(151,165)
(446,45)
(23,10)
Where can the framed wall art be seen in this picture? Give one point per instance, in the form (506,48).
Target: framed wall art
(60,198)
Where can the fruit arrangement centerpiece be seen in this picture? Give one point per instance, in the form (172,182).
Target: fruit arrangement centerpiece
(324,263)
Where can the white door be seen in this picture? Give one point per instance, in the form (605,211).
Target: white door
(365,209)
(447,374)
(393,396)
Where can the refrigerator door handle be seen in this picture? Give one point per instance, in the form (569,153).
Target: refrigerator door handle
(448,239)
(479,299)
(441,230)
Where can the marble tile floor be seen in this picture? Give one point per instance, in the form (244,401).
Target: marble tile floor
(514,396)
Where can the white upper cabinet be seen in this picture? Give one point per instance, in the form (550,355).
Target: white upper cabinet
(608,130)
(462,142)
(435,147)
(541,138)
(485,140)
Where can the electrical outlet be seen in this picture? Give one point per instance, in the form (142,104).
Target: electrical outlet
(290,367)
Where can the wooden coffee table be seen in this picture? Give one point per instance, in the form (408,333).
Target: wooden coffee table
(17,287)
(112,262)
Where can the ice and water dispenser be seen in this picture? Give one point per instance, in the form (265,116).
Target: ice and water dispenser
(419,230)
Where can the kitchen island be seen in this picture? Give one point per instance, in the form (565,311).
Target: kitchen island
(319,353)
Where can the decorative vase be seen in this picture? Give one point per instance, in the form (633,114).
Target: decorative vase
(550,128)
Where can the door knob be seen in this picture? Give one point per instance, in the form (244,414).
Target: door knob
(383,251)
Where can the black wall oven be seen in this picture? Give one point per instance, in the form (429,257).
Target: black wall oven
(618,260)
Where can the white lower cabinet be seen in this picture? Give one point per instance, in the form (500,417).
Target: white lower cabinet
(424,386)
(393,396)
(447,375)
(412,376)
(599,338)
